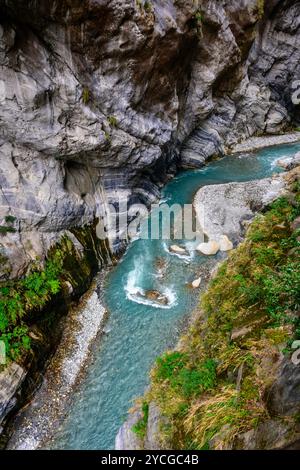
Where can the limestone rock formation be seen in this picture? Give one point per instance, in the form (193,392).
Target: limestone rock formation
(126,438)
(97,98)
(223,208)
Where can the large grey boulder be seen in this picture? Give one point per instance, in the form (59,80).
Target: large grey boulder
(221,209)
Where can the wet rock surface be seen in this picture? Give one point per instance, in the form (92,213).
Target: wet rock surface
(126,438)
(283,398)
(157,297)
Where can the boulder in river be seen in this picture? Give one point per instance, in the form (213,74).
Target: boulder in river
(209,248)
(225,243)
(196,283)
(179,250)
(290,162)
(157,296)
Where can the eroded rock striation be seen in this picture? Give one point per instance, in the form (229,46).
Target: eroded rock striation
(98,97)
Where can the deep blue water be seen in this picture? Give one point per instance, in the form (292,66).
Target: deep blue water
(138,333)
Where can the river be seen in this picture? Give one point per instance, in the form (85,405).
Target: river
(139,330)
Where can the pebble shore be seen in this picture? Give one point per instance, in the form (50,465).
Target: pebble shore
(41,419)
(256,143)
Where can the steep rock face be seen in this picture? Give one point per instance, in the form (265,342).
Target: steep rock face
(97,96)
(249,82)
(89,101)
(10,380)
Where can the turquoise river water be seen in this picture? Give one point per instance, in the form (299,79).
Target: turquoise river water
(138,330)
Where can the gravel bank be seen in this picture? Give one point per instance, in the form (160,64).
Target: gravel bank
(38,422)
(256,143)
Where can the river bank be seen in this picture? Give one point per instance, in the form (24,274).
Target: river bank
(230,383)
(257,143)
(40,418)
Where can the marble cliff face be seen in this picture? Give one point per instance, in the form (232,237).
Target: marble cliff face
(106,99)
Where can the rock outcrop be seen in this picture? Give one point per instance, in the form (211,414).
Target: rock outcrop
(225,208)
(249,76)
(10,380)
(126,437)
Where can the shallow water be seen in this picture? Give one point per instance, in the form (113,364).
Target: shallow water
(138,333)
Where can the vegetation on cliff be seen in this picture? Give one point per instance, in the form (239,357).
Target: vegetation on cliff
(22,301)
(212,388)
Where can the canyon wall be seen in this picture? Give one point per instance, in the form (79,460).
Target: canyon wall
(99,97)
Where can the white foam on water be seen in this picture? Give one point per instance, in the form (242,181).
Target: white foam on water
(244,155)
(186,258)
(164,201)
(138,295)
(274,163)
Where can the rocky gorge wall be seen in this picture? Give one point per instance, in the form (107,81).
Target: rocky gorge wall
(105,100)
(97,98)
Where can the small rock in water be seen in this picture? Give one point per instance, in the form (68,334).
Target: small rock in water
(290,162)
(225,243)
(157,297)
(178,250)
(196,283)
(209,248)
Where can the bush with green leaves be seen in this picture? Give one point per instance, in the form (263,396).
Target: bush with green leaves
(141,426)
(18,298)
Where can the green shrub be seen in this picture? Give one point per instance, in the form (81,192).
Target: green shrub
(112,121)
(186,378)
(10,219)
(141,426)
(169,364)
(261,8)
(17,298)
(86,95)
(7,229)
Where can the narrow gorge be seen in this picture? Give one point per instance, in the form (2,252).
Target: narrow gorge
(110,106)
